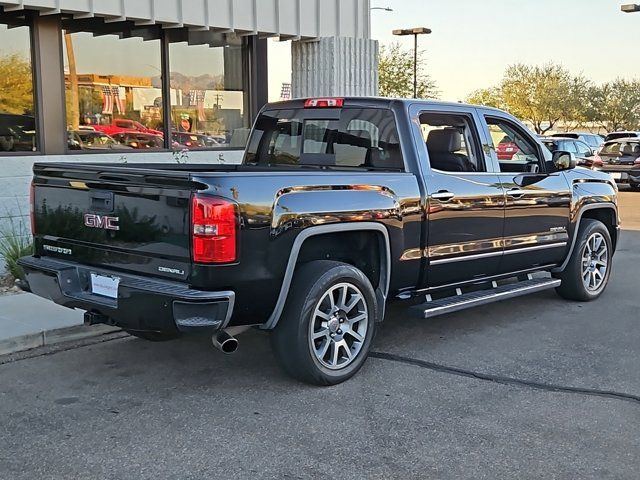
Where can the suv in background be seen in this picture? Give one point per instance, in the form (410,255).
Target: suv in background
(621,159)
(583,152)
(594,141)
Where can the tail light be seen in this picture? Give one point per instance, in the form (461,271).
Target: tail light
(636,161)
(214,230)
(324,103)
(32,207)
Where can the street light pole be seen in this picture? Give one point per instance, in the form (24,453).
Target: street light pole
(415,32)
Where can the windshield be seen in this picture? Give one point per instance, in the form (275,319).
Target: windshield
(350,137)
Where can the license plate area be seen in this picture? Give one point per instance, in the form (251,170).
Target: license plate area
(104,285)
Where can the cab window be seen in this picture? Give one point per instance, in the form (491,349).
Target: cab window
(516,151)
(452,142)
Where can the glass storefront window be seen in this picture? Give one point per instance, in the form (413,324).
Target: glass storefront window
(17,106)
(113,86)
(209,101)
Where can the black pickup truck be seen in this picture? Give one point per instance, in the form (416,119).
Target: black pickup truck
(340,206)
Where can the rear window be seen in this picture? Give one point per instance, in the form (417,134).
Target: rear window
(611,149)
(364,138)
(613,136)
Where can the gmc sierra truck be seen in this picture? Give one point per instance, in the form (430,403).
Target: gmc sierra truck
(340,206)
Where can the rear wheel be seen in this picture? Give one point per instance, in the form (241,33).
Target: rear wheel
(328,324)
(635,186)
(589,267)
(153,336)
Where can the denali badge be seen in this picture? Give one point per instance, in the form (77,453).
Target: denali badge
(51,248)
(175,271)
(101,221)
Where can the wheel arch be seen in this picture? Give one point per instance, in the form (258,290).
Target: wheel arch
(306,236)
(607,213)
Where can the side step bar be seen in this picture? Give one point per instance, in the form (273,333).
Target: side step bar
(455,303)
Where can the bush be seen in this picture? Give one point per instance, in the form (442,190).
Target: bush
(15,242)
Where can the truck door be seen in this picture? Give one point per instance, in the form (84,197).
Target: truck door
(536,215)
(465,202)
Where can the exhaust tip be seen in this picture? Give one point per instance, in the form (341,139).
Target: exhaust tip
(225,343)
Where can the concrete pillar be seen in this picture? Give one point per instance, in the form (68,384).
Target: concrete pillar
(49,80)
(337,66)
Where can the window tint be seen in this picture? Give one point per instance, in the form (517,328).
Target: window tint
(114,84)
(208,90)
(524,156)
(451,141)
(349,137)
(17,110)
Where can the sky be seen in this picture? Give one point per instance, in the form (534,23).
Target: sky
(473,41)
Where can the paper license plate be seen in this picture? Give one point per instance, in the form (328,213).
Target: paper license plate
(616,175)
(104,286)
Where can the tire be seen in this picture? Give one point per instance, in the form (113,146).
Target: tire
(635,187)
(153,336)
(309,311)
(584,266)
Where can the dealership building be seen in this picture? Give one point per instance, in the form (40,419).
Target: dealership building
(161,80)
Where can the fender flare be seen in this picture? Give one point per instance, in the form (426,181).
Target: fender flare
(385,272)
(593,206)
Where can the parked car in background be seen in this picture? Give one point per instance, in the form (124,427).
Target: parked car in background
(189,140)
(621,159)
(17,133)
(140,141)
(594,141)
(585,156)
(619,135)
(506,148)
(123,125)
(92,140)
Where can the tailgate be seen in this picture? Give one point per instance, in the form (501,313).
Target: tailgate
(129,218)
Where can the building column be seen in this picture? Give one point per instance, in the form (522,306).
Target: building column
(49,84)
(335,66)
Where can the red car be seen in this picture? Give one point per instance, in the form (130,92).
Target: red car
(506,149)
(123,125)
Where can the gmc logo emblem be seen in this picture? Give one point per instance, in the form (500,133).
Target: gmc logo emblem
(101,221)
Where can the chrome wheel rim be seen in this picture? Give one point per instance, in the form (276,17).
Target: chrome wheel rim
(595,262)
(338,329)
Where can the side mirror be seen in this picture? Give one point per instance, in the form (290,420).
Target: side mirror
(564,160)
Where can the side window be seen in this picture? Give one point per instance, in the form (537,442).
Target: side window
(452,142)
(570,147)
(516,151)
(583,149)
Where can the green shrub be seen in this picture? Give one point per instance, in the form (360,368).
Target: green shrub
(15,242)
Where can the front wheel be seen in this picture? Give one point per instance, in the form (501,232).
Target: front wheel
(326,330)
(587,273)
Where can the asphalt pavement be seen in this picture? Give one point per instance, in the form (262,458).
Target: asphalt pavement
(530,388)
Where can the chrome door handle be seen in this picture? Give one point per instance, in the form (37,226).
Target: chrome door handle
(516,192)
(443,196)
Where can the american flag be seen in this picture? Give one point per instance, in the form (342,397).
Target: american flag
(107,100)
(120,99)
(285,93)
(196,99)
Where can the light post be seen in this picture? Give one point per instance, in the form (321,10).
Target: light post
(415,32)
(630,8)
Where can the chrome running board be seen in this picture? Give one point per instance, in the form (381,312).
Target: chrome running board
(462,301)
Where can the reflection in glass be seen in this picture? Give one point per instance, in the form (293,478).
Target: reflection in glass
(208,90)
(17,111)
(113,86)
